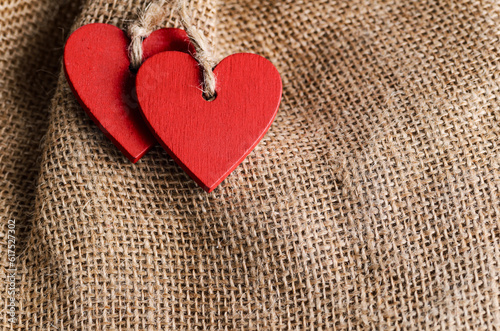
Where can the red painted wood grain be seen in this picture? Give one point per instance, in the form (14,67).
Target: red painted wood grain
(208,139)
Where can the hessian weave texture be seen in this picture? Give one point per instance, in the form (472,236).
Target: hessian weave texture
(372,203)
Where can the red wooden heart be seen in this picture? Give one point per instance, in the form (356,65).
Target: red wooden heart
(208,139)
(97,65)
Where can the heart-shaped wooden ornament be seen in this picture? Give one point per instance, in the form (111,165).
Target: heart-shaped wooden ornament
(96,64)
(208,139)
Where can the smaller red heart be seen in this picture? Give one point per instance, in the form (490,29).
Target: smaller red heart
(96,65)
(208,139)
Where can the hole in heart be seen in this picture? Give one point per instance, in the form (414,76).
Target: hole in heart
(133,70)
(209,97)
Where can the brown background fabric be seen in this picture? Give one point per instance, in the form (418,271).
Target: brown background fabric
(373,202)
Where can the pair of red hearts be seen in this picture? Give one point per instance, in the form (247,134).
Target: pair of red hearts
(208,139)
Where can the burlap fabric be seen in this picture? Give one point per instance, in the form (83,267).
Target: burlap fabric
(373,202)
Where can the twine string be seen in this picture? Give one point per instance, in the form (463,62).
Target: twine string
(152,17)
(147,22)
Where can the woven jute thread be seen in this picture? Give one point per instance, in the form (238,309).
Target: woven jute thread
(152,18)
(373,203)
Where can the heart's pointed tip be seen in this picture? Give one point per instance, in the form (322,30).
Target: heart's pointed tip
(134,160)
(135,157)
(206,187)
